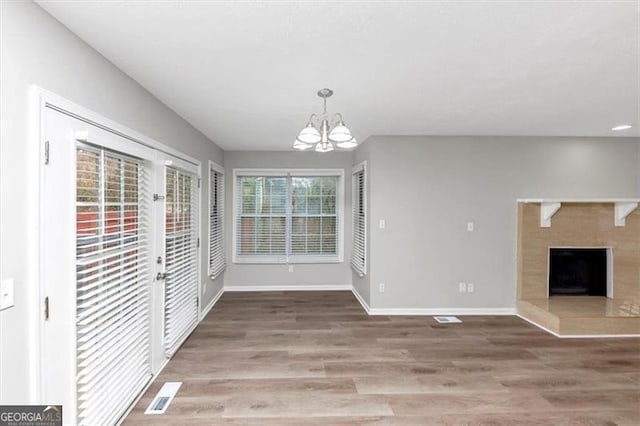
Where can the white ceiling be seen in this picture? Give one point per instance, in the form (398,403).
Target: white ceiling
(246,73)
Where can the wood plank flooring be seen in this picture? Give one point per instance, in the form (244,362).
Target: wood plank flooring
(305,358)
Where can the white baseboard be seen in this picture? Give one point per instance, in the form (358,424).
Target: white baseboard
(210,305)
(430,311)
(311,287)
(141,394)
(442,311)
(578,336)
(360,299)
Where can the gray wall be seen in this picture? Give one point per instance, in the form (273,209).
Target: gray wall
(428,188)
(279,275)
(37,49)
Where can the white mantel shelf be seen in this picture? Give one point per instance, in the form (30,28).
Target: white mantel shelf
(549,206)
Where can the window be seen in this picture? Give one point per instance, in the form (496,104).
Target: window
(216,220)
(289,216)
(359,218)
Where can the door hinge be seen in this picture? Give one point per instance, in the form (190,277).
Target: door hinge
(46,152)
(198,242)
(198,182)
(157,197)
(46,308)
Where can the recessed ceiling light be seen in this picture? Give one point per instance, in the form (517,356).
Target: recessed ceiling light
(621,127)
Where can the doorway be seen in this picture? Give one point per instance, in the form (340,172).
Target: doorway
(119,265)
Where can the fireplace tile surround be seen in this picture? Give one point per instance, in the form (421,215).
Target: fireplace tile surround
(579,224)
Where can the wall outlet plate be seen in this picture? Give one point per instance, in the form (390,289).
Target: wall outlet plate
(470,288)
(381,287)
(462,288)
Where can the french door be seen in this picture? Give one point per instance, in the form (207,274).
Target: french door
(112,210)
(181,243)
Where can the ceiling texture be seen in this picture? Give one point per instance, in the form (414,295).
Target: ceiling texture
(246,73)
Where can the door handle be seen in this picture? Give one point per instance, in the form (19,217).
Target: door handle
(161,276)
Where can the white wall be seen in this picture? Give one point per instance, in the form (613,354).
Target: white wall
(279,275)
(428,188)
(37,49)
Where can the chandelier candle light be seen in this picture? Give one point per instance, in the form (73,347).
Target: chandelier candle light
(322,134)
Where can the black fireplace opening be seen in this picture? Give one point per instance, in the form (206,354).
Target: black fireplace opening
(578,272)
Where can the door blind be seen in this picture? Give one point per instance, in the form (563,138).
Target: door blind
(216,223)
(359,220)
(181,251)
(112,270)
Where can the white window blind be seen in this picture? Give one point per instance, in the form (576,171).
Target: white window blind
(216,223)
(181,251)
(287,216)
(112,270)
(359,219)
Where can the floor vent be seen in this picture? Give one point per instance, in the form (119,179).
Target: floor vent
(164,397)
(447,320)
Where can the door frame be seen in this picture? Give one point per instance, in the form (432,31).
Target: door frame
(39,100)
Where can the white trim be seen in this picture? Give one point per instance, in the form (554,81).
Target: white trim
(311,287)
(360,167)
(216,168)
(443,311)
(283,259)
(577,336)
(206,310)
(35,149)
(39,100)
(284,171)
(49,99)
(578,200)
(142,392)
(360,299)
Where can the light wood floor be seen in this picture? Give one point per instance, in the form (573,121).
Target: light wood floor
(303,358)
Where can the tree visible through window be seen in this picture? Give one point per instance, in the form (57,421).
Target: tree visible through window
(287,217)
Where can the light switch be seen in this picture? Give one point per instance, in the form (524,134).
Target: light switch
(381,224)
(470,226)
(6,294)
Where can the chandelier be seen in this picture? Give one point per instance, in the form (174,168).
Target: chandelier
(324,134)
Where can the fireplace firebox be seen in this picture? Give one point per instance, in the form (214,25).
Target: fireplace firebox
(578,271)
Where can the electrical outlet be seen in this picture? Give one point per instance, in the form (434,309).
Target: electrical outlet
(382,224)
(471,226)
(290,268)
(470,288)
(462,288)
(381,287)
(6,294)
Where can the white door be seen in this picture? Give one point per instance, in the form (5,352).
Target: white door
(181,245)
(106,318)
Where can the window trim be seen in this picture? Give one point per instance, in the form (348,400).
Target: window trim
(360,167)
(284,259)
(216,168)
